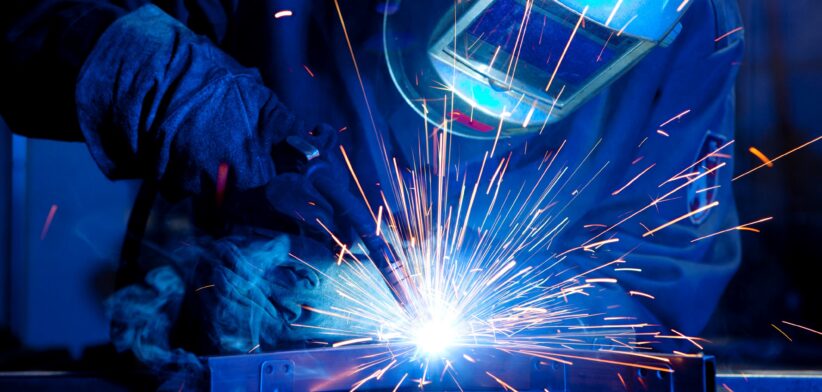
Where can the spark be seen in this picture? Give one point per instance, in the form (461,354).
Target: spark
(499,131)
(710,188)
(782,332)
(386,368)
(400,382)
(352,341)
(253,349)
(622,363)
(613,12)
(356,68)
(681,354)
(685,216)
(646,356)
(308,70)
(616,192)
(714,153)
(379,220)
(567,45)
(682,6)
(723,36)
(663,133)
(356,179)
(740,227)
(518,43)
(501,272)
(596,245)
(600,280)
(493,58)
(761,156)
(208,286)
(529,114)
(341,255)
(358,384)
(778,158)
(688,338)
(641,294)
(802,327)
(674,118)
(283,14)
(47,223)
(222,179)
(657,201)
(622,30)
(502,383)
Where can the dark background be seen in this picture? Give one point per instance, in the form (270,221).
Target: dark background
(51,289)
(779,107)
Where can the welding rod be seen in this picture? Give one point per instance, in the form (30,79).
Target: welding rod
(352,210)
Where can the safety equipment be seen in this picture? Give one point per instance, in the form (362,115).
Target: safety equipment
(482,67)
(301,158)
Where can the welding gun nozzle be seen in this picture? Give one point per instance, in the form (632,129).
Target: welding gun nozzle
(397,278)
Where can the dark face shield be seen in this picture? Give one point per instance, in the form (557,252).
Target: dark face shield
(508,65)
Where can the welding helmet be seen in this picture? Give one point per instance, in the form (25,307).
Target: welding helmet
(481,67)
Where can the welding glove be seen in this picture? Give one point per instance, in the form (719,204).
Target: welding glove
(311,178)
(154,100)
(249,295)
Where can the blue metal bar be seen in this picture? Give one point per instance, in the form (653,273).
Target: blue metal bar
(5,223)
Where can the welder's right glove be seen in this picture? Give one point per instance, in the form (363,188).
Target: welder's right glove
(155,100)
(309,163)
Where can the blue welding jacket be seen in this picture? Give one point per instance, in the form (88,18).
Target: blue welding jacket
(624,132)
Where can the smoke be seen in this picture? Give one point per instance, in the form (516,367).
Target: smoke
(141,322)
(236,295)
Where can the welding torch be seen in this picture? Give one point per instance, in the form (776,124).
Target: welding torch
(303,158)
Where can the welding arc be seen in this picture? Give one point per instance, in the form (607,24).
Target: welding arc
(351,209)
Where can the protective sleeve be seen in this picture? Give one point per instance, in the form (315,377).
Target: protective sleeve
(684,272)
(155,100)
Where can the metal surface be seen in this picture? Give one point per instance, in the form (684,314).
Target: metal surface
(5,222)
(770,381)
(340,369)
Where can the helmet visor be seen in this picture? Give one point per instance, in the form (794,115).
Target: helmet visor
(524,63)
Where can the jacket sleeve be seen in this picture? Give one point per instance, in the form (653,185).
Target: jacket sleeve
(684,272)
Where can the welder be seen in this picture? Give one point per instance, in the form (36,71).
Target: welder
(228,104)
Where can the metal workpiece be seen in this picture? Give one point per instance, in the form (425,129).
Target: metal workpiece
(466,368)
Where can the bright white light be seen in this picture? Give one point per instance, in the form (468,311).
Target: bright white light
(435,335)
